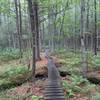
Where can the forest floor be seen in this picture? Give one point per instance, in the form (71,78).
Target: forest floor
(74,86)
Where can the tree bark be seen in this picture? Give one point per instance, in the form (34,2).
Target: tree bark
(37,30)
(95,29)
(32,22)
(83,48)
(18,27)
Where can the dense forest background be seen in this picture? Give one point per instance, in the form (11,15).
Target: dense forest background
(59,24)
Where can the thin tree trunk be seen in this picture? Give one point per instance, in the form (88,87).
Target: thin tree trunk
(95,33)
(84,54)
(18,27)
(32,21)
(37,31)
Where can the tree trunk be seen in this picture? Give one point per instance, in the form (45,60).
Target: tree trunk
(18,27)
(37,31)
(32,21)
(83,48)
(95,29)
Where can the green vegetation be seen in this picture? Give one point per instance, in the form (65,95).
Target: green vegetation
(12,76)
(70,32)
(14,71)
(96,62)
(72,63)
(74,85)
(35,97)
(8,54)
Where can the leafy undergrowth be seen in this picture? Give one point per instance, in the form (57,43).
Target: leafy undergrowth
(14,71)
(72,61)
(10,77)
(9,54)
(75,86)
(78,88)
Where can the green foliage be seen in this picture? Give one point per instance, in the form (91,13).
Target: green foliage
(77,80)
(78,84)
(9,77)
(4,81)
(12,76)
(4,7)
(14,71)
(9,54)
(96,61)
(73,87)
(96,96)
(35,97)
(70,60)
(68,87)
